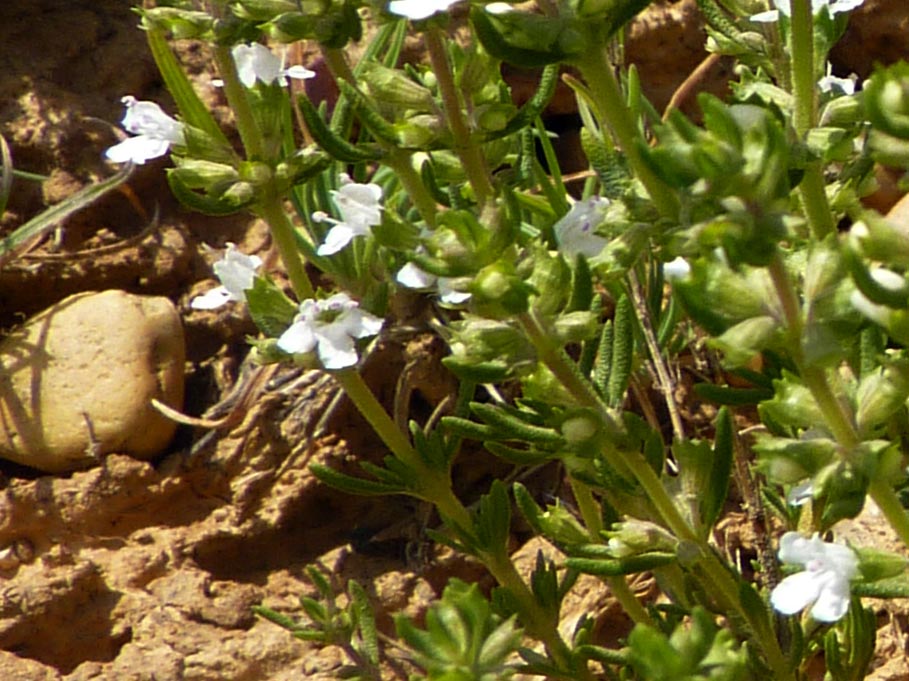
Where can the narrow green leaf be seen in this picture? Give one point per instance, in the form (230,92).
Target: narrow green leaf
(192,109)
(351,484)
(48,219)
(622,352)
(513,427)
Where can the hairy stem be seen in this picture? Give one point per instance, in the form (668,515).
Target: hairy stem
(469,152)
(812,193)
(598,74)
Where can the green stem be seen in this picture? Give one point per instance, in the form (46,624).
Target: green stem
(598,74)
(812,192)
(270,208)
(469,153)
(836,415)
(401,163)
(889,503)
(722,584)
(801,64)
(252,140)
(592,516)
(282,231)
(397,160)
(537,622)
(436,489)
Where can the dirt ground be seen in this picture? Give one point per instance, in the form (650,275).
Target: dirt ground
(148,571)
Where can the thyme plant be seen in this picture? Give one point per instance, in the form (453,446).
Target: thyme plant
(740,235)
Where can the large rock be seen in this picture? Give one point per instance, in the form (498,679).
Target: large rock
(76,381)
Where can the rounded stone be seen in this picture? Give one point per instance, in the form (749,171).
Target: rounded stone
(76,381)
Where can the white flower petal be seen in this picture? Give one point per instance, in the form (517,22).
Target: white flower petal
(418,9)
(149,119)
(299,72)
(337,238)
(360,324)
(336,348)
(298,338)
(450,295)
(137,149)
(575,231)
(499,8)
(237,271)
(795,593)
(412,276)
(256,62)
(765,17)
(833,601)
(211,300)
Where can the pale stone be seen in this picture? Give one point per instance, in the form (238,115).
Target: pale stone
(76,381)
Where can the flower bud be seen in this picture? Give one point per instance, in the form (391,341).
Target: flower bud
(886,97)
(561,526)
(497,291)
(240,194)
(631,537)
(394,88)
(575,327)
(880,239)
(255,172)
(880,394)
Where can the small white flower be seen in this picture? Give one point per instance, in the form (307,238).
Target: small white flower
(784,7)
(329,327)
(236,271)
(837,86)
(419,9)
(257,62)
(677,268)
(824,581)
(575,230)
(154,132)
(413,277)
(360,210)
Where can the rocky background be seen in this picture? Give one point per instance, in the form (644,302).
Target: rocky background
(141,570)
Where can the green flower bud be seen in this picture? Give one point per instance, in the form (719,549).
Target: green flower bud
(561,526)
(423,131)
(875,564)
(180,23)
(395,88)
(199,174)
(575,327)
(631,537)
(880,239)
(886,97)
(240,194)
(880,394)
(497,291)
(842,112)
(480,341)
(263,10)
(255,172)
(743,341)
